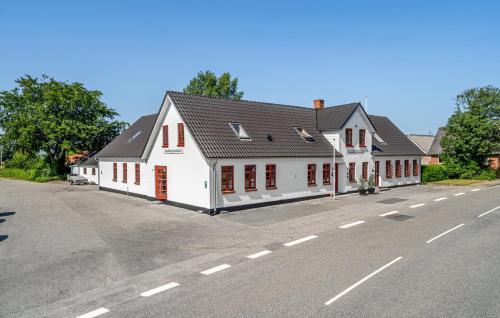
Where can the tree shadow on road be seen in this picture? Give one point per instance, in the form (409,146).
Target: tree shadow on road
(2,214)
(3,237)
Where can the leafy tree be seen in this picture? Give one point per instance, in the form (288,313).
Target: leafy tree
(208,84)
(473,131)
(45,116)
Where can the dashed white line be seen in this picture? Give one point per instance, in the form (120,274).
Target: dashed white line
(440,199)
(259,254)
(488,212)
(307,238)
(416,205)
(351,224)
(460,193)
(388,213)
(215,269)
(444,233)
(160,289)
(474,190)
(362,281)
(94,313)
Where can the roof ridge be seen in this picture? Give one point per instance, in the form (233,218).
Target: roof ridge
(341,105)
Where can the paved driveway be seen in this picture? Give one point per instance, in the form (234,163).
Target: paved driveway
(59,241)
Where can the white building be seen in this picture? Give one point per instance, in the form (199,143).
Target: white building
(209,154)
(89,169)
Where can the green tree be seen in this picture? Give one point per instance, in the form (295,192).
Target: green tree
(208,84)
(473,131)
(45,116)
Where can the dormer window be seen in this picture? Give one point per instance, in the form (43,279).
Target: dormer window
(304,134)
(239,131)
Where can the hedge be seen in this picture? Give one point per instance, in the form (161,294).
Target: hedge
(29,174)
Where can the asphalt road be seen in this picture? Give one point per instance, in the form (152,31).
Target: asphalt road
(311,259)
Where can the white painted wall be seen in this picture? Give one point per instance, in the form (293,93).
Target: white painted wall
(92,178)
(291,180)
(388,182)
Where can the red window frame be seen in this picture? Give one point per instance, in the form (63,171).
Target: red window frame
(93,171)
(388,169)
(165,136)
(407,168)
(326,173)
(270,176)
(227,179)
(180,135)
(398,168)
(348,137)
(137,173)
(415,167)
(125,172)
(115,171)
(352,172)
(311,174)
(84,170)
(362,137)
(364,170)
(250,177)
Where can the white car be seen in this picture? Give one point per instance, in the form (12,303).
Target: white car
(77,179)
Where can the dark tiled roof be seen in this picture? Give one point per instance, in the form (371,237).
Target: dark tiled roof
(395,142)
(334,118)
(436,148)
(131,142)
(89,162)
(423,141)
(208,118)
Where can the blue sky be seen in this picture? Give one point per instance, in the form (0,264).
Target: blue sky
(409,57)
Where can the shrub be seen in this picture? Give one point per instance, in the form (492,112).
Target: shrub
(434,173)
(486,174)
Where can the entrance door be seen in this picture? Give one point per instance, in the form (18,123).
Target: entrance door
(377,172)
(161,182)
(336,177)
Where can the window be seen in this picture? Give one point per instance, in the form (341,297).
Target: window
(407,168)
(84,170)
(311,174)
(398,169)
(362,133)
(115,171)
(415,167)
(137,173)
(239,131)
(348,137)
(364,170)
(271,176)
(326,173)
(180,135)
(93,171)
(388,169)
(250,178)
(304,134)
(124,167)
(227,179)
(165,136)
(352,172)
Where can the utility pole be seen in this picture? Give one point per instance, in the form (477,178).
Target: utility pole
(1,156)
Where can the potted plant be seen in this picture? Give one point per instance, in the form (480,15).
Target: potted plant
(371,184)
(362,186)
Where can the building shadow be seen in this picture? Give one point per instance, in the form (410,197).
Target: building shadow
(2,220)
(2,214)
(3,237)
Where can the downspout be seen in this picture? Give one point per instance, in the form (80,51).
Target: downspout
(214,188)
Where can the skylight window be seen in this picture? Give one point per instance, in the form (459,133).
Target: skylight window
(304,134)
(134,136)
(379,139)
(239,131)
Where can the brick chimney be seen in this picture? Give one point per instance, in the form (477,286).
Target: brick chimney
(319,104)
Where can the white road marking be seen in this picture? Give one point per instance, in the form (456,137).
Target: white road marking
(94,313)
(351,224)
(488,212)
(259,254)
(444,233)
(307,238)
(474,190)
(160,289)
(416,205)
(215,269)
(440,199)
(389,213)
(457,194)
(362,281)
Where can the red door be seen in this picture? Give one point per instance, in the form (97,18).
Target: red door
(377,172)
(336,177)
(161,182)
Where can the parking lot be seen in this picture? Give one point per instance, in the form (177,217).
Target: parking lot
(59,241)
